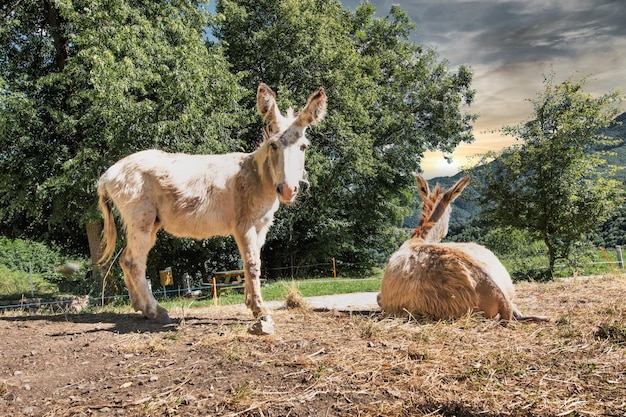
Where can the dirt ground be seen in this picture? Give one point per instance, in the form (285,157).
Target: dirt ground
(324,363)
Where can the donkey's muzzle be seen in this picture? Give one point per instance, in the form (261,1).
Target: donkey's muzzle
(286,194)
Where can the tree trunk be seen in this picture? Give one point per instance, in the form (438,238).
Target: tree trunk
(56,32)
(551,256)
(94,232)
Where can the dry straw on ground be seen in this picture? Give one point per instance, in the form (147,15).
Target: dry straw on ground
(327,363)
(294,300)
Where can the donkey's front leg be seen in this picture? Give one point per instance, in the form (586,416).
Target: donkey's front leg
(251,255)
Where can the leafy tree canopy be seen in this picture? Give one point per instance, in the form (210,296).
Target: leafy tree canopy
(389,101)
(86,82)
(554,184)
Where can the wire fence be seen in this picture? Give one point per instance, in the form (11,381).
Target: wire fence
(206,290)
(76,302)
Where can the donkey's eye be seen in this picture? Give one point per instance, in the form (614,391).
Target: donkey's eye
(304,147)
(274,146)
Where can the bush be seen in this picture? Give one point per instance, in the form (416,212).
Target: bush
(506,241)
(21,257)
(26,255)
(525,272)
(14,284)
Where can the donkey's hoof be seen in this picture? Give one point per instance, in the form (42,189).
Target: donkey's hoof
(162,316)
(263,326)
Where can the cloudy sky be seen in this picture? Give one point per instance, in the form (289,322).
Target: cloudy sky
(510,45)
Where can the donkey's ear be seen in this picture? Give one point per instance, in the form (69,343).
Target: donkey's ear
(456,189)
(447,199)
(266,105)
(314,110)
(422,186)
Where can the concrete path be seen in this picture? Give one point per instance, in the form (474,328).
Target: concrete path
(346,302)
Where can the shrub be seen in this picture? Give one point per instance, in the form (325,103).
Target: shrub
(27,255)
(526,272)
(14,284)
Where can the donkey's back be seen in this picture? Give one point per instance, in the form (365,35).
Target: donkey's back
(446,281)
(188,195)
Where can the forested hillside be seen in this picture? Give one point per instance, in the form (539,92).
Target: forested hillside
(466,210)
(617,153)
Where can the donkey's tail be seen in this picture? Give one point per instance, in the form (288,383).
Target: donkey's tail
(109,231)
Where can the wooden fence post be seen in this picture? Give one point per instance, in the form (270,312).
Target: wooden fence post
(214,292)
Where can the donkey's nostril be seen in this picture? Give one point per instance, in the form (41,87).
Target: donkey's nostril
(286,192)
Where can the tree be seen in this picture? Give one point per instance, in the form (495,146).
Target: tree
(555,185)
(83,83)
(389,101)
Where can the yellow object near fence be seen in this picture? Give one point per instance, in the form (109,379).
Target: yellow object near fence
(227,280)
(166,277)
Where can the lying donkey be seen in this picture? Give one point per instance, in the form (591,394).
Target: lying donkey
(446,280)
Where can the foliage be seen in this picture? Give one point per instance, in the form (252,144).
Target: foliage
(22,259)
(25,255)
(15,284)
(553,185)
(84,83)
(507,241)
(389,101)
(612,232)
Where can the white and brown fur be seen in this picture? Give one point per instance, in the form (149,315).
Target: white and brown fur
(200,196)
(446,280)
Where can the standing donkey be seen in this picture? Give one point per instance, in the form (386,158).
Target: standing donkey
(446,280)
(200,196)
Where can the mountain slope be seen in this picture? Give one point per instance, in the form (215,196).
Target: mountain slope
(466,207)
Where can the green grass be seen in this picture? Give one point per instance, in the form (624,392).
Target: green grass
(276,290)
(592,263)
(323,286)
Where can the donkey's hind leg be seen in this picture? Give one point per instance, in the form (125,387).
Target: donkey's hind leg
(491,300)
(133,262)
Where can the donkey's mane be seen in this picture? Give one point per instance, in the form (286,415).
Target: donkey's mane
(265,135)
(427,220)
